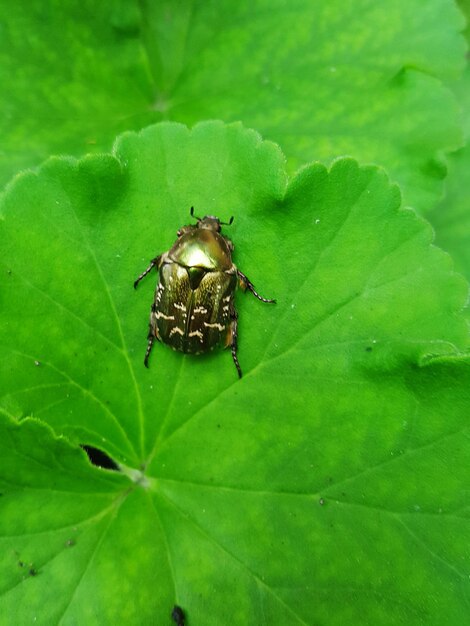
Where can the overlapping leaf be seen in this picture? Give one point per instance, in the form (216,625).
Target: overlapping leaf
(322,79)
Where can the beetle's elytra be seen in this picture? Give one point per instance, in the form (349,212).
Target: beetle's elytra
(193,310)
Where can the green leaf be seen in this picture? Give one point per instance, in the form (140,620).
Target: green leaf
(66,530)
(451,217)
(326,486)
(322,79)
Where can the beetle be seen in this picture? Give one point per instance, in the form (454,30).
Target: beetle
(193,310)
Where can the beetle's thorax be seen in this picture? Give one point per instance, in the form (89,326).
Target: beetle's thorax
(202,247)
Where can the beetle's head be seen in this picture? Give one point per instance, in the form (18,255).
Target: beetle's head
(210,222)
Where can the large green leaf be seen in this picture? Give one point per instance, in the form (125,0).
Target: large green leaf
(322,79)
(326,486)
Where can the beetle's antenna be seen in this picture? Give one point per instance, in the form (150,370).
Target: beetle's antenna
(192,214)
(229,223)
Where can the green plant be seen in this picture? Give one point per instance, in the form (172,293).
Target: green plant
(326,486)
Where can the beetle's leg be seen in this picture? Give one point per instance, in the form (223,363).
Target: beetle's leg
(232,338)
(153,263)
(247,284)
(152,334)
(151,339)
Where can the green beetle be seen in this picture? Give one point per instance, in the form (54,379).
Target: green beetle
(193,310)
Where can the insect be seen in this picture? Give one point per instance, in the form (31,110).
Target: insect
(177,615)
(193,310)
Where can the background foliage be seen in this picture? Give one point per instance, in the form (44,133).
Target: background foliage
(329,484)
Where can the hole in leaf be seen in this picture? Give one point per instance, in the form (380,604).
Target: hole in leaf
(100,458)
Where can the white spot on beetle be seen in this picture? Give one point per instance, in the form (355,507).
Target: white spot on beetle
(179,306)
(175,330)
(161,315)
(215,325)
